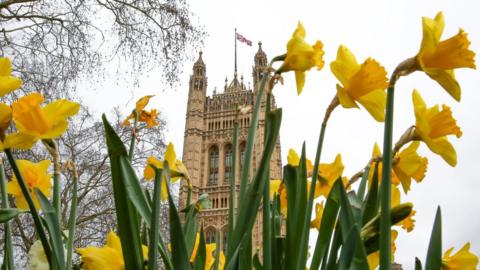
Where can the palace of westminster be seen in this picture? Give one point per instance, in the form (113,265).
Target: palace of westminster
(208,139)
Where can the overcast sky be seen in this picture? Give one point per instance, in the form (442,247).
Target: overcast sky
(389,31)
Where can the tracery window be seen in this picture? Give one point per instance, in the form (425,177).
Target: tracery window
(210,236)
(213,166)
(228,163)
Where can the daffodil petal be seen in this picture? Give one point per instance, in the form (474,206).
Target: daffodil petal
(344,98)
(446,79)
(375,103)
(345,66)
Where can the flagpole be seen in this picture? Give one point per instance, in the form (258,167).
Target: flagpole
(235,50)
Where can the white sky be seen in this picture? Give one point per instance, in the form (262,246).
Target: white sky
(389,31)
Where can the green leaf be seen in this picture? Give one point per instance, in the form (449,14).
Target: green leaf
(348,249)
(8,213)
(201,255)
(155,221)
(53,227)
(326,226)
(217,250)
(371,203)
(8,255)
(257,265)
(248,210)
(418,264)
(363,183)
(128,228)
(347,222)
(180,256)
(72,221)
(434,253)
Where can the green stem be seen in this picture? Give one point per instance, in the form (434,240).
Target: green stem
(8,253)
(250,142)
(56,194)
(31,205)
(385,187)
(72,220)
(308,216)
(134,135)
(267,244)
(155,226)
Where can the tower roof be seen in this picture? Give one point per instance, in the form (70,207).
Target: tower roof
(235,85)
(260,53)
(199,61)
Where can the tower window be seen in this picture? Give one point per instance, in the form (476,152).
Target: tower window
(228,163)
(210,236)
(242,154)
(213,166)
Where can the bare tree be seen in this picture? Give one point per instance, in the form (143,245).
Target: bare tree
(84,144)
(55,43)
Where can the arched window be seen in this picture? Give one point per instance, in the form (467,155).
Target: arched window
(225,241)
(213,166)
(210,236)
(242,154)
(228,163)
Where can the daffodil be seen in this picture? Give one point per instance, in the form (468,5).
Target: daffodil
(37,260)
(374,258)
(302,56)
(8,83)
(294,160)
(433,126)
(318,216)
(407,223)
(438,58)
(34,122)
(35,176)
(177,168)
(148,117)
(363,83)
(108,257)
(408,164)
(210,259)
(462,260)
(328,174)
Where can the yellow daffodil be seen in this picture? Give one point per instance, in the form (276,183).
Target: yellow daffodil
(34,122)
(363,83)
(8,83)
(176,168)
(374,258)
(37,260)
(210,259)
(35,175)
(462,260)
(108,257)
(438,58)
(5,117)
(407,223)
(408,164)
(274,187)
(148,117)
(318,216)
(294,160)
(433,126)
(302,56)
(328,174)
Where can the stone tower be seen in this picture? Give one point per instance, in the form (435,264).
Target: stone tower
(208,139)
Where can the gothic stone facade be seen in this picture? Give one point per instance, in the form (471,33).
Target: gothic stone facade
(207,148)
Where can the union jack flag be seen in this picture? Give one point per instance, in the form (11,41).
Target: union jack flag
(244,39)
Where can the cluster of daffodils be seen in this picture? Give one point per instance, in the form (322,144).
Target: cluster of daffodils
(32,122)
(365,84)
(354,228)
